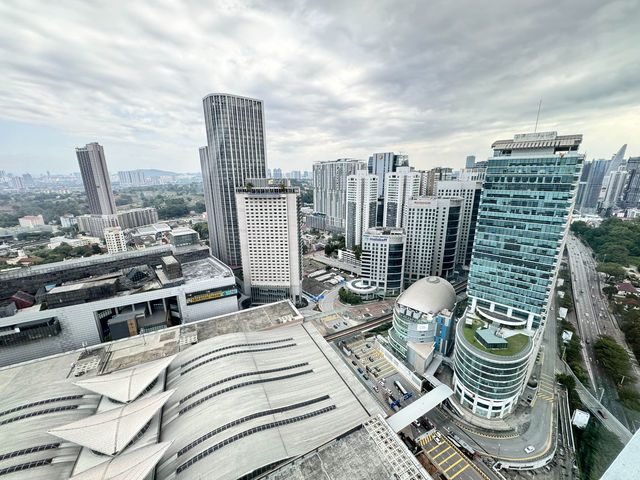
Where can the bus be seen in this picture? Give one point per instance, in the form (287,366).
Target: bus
(400,387)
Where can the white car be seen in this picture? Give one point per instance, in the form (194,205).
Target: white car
(529,449)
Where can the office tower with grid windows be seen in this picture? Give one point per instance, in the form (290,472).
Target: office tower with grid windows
(401,185)
(362,202)
(95,177)
(383,259)
(470,192)
(382,163)
(431,237)
(235,151)
(270,246)
(525,209)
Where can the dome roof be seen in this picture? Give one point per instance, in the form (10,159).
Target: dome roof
(429,295)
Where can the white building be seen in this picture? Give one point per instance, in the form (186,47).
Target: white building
(401,185)
(269,232)
(115,240)
(95,224)
(473,173)
(330,190)
(362,200)
(30,221)
(137,217)
(132,178)
(614,189)
(67,220)
(470,192)
(432,237)
(383,259)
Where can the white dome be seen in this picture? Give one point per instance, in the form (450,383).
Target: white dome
(429,295)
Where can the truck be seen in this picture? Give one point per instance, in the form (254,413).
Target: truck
(400,388)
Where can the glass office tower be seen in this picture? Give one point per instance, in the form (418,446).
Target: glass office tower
(523,219)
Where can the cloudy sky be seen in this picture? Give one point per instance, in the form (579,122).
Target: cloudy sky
(438,80)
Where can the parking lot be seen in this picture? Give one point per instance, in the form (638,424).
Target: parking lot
(378,374)
(449,459)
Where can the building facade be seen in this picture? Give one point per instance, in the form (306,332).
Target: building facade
(470,192)
(423,317)
(132,178)
(382,163)
(382,259)
(94,225)
(596,172)
(330,190)
(115,240)
(95,177)
(631,194)
(526,204)
(432,176)
(270,243)
(432,231)
(30,221)
(401,185)
(137,217)
(362,203)
(235,152)
(68,220)
(615,187)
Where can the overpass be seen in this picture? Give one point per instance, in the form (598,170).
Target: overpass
(420,407)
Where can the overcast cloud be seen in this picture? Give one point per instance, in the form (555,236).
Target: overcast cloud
(438,80)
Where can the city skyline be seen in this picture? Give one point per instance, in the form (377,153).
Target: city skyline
(437,94)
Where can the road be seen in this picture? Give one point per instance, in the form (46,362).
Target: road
(594,319)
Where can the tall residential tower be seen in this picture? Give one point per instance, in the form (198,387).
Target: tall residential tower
(95,177)
(235,152)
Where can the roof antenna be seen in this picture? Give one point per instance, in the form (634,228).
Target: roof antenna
(537,116)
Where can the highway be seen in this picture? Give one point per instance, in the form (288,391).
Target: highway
(594,319)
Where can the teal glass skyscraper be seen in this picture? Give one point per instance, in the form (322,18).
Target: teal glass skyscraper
(523,218)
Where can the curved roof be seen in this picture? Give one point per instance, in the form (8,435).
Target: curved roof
(429,295)
(109,432)
(132,465)
(126,385)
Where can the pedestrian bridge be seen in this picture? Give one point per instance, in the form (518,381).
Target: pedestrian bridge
(423,405)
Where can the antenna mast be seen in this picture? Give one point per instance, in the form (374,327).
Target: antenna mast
(537,116)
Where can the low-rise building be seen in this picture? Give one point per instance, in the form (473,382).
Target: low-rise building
(30,221)
(68,220)
(95,224)
(184,237)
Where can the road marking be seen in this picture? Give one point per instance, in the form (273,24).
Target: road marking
(459,471)
(429,451)
(459,425)
(445,460)
(453,465)
(440,453)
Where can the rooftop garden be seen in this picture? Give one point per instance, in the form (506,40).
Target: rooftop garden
(516,343)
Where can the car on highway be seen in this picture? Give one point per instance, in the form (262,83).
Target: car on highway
(529,449)
(602,414)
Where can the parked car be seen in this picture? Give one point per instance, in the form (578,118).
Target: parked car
(354,362)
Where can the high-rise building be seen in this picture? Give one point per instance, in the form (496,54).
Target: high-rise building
(137,217)
(617,160)
(115,240)
(277,173)
(596,172)
(582,185)
(401,185)
(433,225)
(269,226)
(382,163)
(615,186)
(95,224)
(475,174)
(437,174)
(330,190)
(17,183)
(132,178)
(382,259)
(95,177)
(526,204)
(631,194)
(236,151)
(470,192)
(362,201)
(471,161)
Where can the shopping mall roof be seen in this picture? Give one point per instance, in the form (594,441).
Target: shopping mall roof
(280,393)
(429,295)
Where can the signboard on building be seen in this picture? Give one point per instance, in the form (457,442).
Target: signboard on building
(206,295)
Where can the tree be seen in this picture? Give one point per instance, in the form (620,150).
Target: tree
(612,270)
(199,207)
(203,230)
(349,297)
(610,291)
(614,358)
(357,251)
(579,227)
